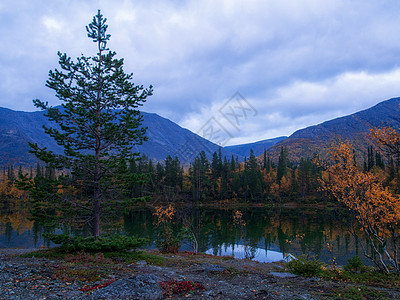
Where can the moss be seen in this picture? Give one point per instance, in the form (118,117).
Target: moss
(360,293)
(134,256)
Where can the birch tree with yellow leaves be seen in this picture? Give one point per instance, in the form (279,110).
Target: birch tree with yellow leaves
(376,209)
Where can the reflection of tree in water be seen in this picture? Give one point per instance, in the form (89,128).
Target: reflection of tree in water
(15,220)
(268,228)
(278,229)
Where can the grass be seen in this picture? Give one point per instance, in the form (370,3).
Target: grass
(371,277)
(53,253)
(134,256)
(355,272)
(360,282)
(116,257)
(91,267)
(360,293)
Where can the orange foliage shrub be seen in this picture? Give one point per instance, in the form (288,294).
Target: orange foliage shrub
(8,189)
(387,139)
(376,208)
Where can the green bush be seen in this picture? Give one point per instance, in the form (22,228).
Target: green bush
(102,244)
(305,267)
(360,293)
(169,240)
(355,265)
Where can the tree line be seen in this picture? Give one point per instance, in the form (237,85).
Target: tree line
(256,180)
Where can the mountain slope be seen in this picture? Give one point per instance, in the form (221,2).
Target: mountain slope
(257,147)
(165,138)
(353,128)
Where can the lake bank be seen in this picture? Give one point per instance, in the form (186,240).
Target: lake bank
(78,277)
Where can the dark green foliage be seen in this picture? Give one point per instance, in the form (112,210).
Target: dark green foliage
(173,172)
(305,267)
(163,179)
(361,293)
(199,173)
(373,160)
(267,163)
(170,238)
(283,164)
(102,244)
(355,265)
(97,125)
(10,173)
(307,176)
(252,178)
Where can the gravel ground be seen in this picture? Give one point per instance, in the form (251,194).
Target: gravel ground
(27,278)
(38,278)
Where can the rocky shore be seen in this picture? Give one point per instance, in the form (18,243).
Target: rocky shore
(210,278)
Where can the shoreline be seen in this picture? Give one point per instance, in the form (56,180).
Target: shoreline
(221,277)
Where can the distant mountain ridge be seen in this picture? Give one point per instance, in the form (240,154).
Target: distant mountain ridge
(165,138)
(257,147)
(354,128)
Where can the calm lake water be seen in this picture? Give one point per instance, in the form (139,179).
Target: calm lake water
(269,234)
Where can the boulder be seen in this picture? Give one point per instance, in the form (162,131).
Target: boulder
(138,287)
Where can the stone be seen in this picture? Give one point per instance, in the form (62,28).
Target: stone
(138,287)
(209,268)
(141,263)
(282,275)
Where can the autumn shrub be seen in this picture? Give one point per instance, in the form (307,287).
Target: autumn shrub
(102,244)
(87,258)
(169,234)
(129,257)
(305,267)
(83,273)
(87,288)
(376,209)
(173,287)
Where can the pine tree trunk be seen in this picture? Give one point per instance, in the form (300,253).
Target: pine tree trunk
(96,220)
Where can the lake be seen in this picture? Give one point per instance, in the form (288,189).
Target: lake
(269,234)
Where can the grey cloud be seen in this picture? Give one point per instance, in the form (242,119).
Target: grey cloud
(285,56)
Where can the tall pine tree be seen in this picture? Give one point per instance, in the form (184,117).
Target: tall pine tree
(97,125)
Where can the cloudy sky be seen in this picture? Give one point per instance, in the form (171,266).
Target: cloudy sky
(277,66)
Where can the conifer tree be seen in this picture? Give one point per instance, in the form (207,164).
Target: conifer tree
(97,125)
(283,163)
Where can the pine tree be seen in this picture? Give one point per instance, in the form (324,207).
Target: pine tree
(283,164)
(199,173)
(252,175)
(97,125)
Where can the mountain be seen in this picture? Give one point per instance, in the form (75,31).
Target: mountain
(257,147)
(354,128)
(165,138)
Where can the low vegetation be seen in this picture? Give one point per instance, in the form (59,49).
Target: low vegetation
(355,272)
(101,244)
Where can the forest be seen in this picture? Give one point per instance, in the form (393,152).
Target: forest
(223,179)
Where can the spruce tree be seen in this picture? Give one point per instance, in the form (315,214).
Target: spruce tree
(97,125)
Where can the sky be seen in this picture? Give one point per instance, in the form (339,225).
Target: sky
(232,71)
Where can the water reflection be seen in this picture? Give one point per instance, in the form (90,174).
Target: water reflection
(244,252)
(272,232)
(16,230)
(285,230)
